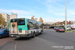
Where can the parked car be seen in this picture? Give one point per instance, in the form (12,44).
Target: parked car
(73,27)
(55,28)
(4,33)
(60,29)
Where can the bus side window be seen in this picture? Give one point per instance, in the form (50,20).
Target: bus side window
(28,25)
(31,25)
(37,26)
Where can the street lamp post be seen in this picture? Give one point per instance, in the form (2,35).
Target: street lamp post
(65,14)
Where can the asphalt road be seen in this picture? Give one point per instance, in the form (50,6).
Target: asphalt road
(48,40)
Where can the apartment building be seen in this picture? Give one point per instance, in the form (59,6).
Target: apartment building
(7,17)
(13,16)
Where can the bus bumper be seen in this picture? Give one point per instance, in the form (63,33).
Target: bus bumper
(20,35)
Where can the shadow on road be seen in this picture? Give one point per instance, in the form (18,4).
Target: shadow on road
(61,32)
(22,38)
(4,37)
(17,39)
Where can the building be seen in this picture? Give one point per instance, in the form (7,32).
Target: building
(13,16)
(7,17)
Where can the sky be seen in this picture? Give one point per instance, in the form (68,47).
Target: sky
(49,10)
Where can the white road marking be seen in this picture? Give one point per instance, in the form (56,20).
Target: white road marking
(15,46)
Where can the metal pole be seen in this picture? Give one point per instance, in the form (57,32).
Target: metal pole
(65,14)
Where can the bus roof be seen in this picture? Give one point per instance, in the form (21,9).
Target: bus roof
(26,18)
(36,21)
(19,18)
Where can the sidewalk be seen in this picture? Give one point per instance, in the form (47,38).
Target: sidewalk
(70,31)
(5,40)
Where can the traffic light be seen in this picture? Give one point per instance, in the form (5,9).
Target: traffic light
(59,23)
(67,22)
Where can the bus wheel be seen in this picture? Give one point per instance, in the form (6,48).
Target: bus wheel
(41,32)
(33,35)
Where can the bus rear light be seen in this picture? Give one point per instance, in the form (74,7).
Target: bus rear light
(25,31)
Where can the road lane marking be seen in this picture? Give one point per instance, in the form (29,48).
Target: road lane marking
(15,46)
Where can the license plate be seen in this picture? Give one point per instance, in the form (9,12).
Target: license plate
(13,33)
(17,36)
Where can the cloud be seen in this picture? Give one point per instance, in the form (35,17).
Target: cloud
(21,13)
(71,12)
(50,19)
(54,8)
(57,20)
(58,10)
(72,3)
(16,11)
(24,16)
(58,4)
(51,1)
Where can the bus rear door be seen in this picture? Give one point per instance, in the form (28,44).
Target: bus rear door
(13,28)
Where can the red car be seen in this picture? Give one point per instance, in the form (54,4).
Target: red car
(60,29)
